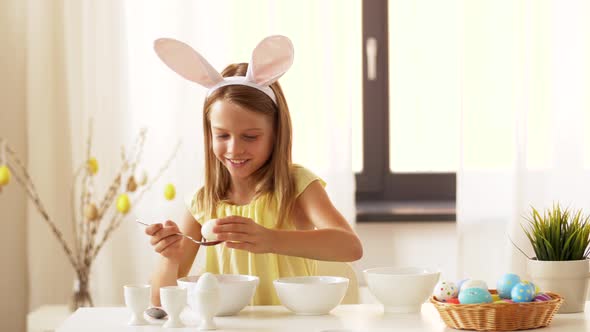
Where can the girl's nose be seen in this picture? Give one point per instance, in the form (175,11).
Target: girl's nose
(235,146)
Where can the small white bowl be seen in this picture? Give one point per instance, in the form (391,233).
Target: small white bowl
(401,289)
(235,291)
(313,295)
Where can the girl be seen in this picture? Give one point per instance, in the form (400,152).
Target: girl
(275,217)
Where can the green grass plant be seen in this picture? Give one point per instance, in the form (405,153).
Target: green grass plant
(558,234)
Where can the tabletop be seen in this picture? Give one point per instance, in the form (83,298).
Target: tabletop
(352,318)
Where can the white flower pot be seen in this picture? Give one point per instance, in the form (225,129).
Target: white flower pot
(569,279)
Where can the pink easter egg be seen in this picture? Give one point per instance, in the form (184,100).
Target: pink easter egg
(542,297)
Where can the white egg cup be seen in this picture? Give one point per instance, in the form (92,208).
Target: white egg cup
(137,299)
(173,300)
(207,303)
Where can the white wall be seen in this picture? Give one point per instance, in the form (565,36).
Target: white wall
(423,244)
(13,285)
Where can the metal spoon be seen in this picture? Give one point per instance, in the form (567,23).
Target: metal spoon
(156,312)
(204,243)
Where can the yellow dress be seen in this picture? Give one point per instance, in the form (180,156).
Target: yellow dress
(268,267)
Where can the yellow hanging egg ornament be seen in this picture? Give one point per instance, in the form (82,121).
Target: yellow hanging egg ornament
(4,175)
(123,204)
(169,191)
(90,212)
(92,165)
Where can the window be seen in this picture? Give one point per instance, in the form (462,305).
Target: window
(405,164)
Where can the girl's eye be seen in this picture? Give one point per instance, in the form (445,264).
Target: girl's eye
(221,136)
(250,138)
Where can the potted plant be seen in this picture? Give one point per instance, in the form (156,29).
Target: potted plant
(560,239)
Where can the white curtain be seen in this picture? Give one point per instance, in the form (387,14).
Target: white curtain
(525,125)
(75,71)
(90,59)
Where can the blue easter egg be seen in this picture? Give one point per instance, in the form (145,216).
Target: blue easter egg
(506,283)
(475,296)
(531,285)
(522,292)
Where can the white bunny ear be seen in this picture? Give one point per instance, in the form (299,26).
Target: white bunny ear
(271,58)
(187,62)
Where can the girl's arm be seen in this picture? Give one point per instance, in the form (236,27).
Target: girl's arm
(332,240)
(176,258)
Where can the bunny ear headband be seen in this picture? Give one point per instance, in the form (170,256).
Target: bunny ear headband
(271,58)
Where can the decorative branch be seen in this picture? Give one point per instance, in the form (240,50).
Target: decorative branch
(76,228)
(115,222)
(27,183)
(91,231)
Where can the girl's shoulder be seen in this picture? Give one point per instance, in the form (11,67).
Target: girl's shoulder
(190,201)
(303,177)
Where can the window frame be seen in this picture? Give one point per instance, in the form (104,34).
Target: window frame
(376,183)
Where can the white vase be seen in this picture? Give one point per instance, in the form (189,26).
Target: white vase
(570,279)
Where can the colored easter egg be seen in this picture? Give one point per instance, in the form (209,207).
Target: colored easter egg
(460,283)
(169,191)
(474,284)
(92,165)
(131,184)
(4,175)
(531,285)
(475,296)
(541,297)
(90,212)
(522,292)
(505,284)
(453,300)
(503,301)
(123,204)
(445,290)
(535,288)
(496,297)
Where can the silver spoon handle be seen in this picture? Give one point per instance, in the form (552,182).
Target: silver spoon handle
(181,234)
(203,243)
(139,222)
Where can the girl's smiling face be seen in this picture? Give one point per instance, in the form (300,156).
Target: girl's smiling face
(242,139)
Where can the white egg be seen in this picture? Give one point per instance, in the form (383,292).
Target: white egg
(207,230)
(445,290)
(474,284)
(207,282)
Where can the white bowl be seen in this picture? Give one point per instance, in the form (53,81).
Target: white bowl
(401,289)
(235,291)
(315,295)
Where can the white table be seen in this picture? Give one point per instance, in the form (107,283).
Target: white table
(47,318)
(354,317)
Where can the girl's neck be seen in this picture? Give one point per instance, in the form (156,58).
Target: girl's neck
(242,191)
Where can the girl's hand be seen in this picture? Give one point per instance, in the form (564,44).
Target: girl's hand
(165,240)
(243,233)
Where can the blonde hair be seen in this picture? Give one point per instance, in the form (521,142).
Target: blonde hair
(275,175)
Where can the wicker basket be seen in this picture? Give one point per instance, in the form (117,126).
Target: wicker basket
(498,317)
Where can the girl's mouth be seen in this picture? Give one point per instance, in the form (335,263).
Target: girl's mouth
(237,162)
